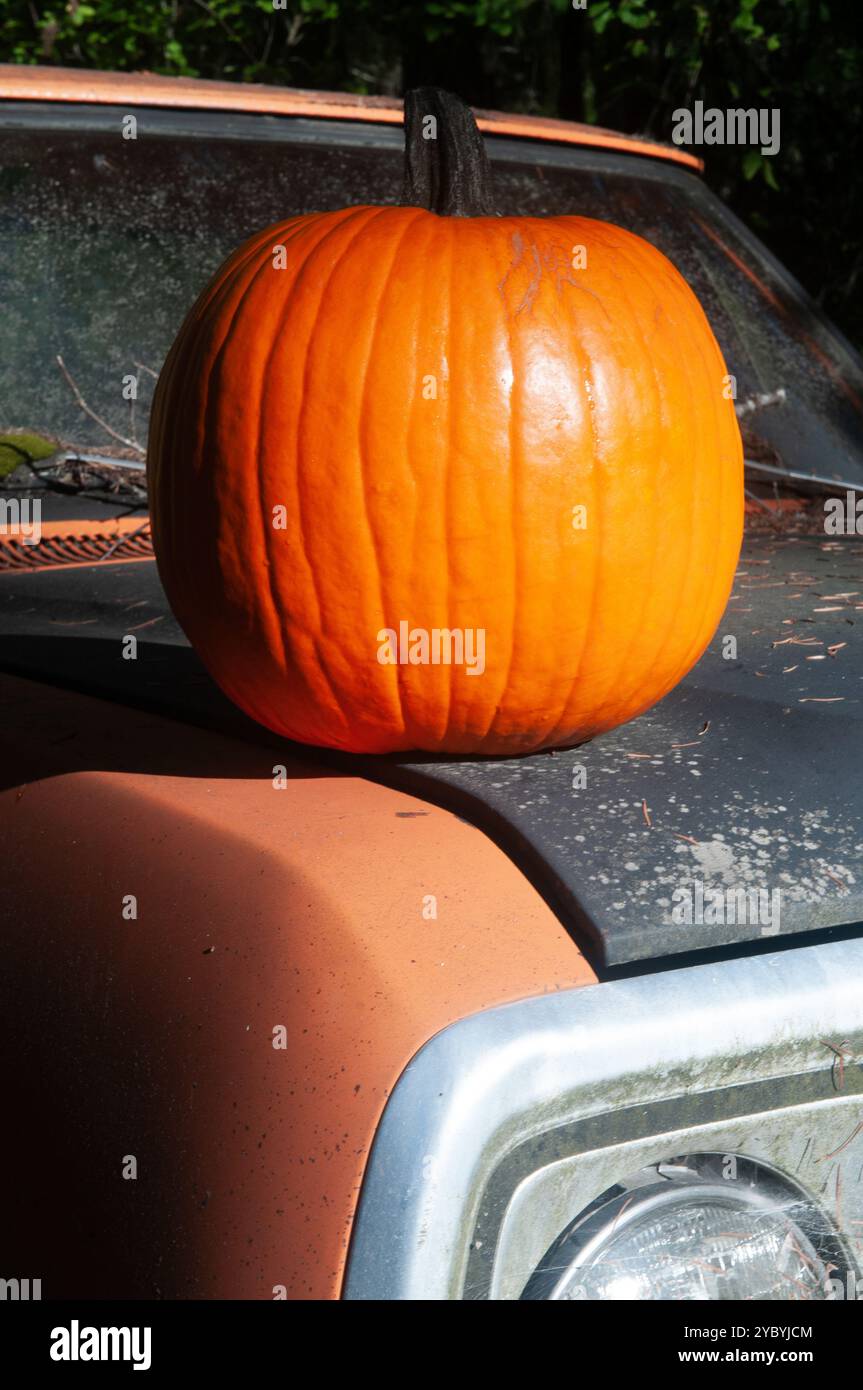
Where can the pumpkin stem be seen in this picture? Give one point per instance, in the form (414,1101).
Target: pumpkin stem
(446,165)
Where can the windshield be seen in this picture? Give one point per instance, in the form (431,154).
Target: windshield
(105,242)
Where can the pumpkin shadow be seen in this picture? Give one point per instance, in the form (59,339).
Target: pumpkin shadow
(167,680)
(82,708)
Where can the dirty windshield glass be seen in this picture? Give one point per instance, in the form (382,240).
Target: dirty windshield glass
(105,242)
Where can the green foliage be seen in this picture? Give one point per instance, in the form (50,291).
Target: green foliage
(627,64)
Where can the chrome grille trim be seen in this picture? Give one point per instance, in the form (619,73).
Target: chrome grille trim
(501,1078)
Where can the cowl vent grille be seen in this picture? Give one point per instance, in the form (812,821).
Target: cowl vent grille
(88,543)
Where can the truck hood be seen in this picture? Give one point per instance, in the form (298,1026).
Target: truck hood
(729,813)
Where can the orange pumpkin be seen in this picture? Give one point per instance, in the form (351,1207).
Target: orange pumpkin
(427,478)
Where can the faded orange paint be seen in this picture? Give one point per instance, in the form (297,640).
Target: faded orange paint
(148,89)
(257,908)
(105,526)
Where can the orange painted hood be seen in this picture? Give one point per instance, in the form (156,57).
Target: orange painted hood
(306,909)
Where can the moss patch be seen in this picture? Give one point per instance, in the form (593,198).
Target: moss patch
(21,448)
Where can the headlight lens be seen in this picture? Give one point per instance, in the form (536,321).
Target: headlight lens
(689,1237)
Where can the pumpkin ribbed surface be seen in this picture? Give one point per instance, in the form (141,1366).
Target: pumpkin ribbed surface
(423,401)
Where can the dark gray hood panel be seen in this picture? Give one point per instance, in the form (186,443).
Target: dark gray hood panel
(746,777)
(768,797)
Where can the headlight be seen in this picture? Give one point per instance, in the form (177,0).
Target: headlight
(683,1231)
